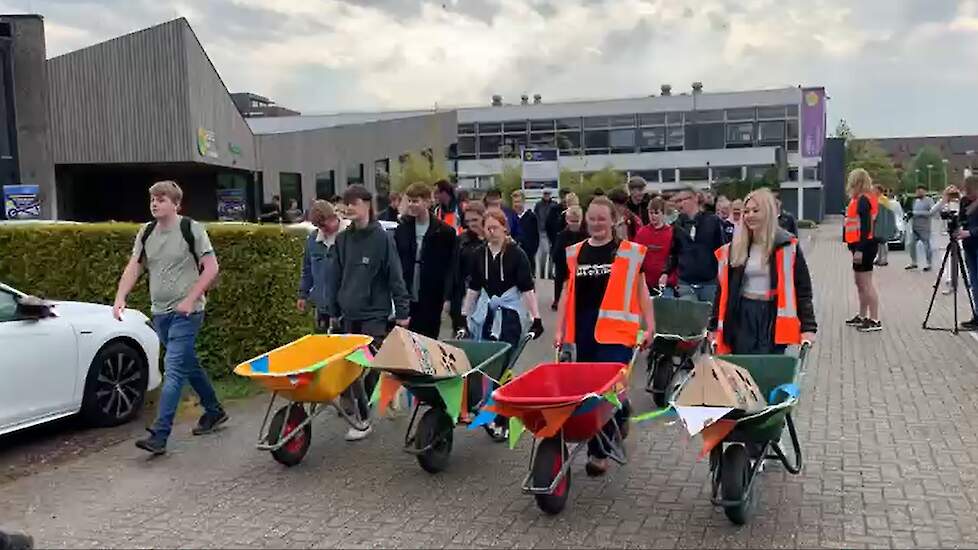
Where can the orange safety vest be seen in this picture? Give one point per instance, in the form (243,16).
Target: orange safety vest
(787,325)
(851,227)
(452,219)
(620,314)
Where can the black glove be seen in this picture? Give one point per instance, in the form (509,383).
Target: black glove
(536,328)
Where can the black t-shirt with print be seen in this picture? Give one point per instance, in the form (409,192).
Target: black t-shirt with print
(593,273)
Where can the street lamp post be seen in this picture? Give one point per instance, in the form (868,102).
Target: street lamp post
(944,162)
(916,172)
(929,167)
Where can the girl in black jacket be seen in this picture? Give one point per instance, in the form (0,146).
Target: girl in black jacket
(750,289)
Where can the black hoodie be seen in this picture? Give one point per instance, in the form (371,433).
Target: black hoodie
(370,276)
(803,291)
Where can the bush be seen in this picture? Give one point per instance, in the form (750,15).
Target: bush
(250,311)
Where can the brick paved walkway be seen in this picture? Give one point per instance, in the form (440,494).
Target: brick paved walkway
(888,427)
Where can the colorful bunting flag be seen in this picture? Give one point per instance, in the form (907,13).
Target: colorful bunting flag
(260,364)
(450,391)
(715,433)
(697,418)
(653,414)
(362,357)
(384,392)
(515,431)
(612,398)
(554,419)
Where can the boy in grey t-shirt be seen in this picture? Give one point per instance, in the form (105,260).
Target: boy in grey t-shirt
(178,256)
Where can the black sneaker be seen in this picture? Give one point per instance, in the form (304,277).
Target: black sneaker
(926,269)
(152,444)
(970,325)
(16,541)
(856,321)
(870,325)
(911,266)
(208,422)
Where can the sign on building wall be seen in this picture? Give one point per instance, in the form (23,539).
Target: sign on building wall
(231,205)
(541,169)
(206,143)
(812,122)
(22,202)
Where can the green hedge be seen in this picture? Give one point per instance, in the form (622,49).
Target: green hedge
(250,311)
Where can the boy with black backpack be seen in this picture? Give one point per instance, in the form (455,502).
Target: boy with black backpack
(178,256)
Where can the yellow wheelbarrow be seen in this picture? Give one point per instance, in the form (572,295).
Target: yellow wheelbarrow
(312,373)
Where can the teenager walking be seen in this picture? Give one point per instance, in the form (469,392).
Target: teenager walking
(178,256)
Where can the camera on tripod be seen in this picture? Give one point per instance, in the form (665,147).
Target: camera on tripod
(952,213)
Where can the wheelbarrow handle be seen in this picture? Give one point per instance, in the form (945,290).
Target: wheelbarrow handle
(806,348)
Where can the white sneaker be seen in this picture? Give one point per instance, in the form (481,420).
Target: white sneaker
(356,435)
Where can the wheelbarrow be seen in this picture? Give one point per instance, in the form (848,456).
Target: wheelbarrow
(680,332)
(430,439)
(736,461)
(311,372)
(564,405)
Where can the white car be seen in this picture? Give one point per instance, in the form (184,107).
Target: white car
(58,359)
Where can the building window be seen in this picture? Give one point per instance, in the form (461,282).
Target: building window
(693,174)
(704,136)
(489,146)
(705,116)
(674,118)
(792,110)
(466,129)
(770,112)
(622,121)
(595,122)
(793,146)
(675,138)
(793,129)
(792,174)
(622,141)
(382,182)
(568,123)
(355,176)
(652,119)
(513,144)
(652,139)
(726,173)
(326,185)
(755,173)
(810,173)
(542,125)
(735,115)
(740,134)
(490,127)
(596,141)
(517,126)
(771,133)
(466,147)
(290,189)
(569,142)
(543,139)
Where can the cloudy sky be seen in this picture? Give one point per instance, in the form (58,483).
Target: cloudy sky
(891,67)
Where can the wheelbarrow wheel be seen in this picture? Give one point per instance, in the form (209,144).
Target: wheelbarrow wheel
(734,474)
(434,429)
(549,460)
(661,379)
(294,450)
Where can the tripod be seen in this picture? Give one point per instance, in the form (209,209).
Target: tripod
(953,254)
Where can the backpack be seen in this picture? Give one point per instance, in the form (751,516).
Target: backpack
(885,225)
(186,230)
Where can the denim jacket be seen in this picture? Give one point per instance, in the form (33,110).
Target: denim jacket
(319,268)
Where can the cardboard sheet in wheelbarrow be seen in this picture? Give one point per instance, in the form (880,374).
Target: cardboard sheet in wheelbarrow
(714,389)
(408,352)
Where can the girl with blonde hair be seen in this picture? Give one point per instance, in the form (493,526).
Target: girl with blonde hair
(858,234)
(764,289)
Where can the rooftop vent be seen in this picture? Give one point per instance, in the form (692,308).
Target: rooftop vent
(497,100)
(666,89)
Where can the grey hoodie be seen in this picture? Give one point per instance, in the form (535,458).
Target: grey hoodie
(370,276)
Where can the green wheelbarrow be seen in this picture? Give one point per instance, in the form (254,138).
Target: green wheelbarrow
(736,462)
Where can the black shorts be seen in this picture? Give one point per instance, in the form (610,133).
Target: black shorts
(870,250)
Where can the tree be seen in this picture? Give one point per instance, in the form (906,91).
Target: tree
(509,180)
(869,156)
(605,179)
(417,167)
(926,168)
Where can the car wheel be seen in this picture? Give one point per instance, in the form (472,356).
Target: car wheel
(115,387)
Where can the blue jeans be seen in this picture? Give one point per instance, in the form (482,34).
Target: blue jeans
(178,334)
(701,292)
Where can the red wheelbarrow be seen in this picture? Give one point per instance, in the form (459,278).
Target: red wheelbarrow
(564,404)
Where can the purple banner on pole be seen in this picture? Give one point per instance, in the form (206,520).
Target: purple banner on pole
(812,122)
